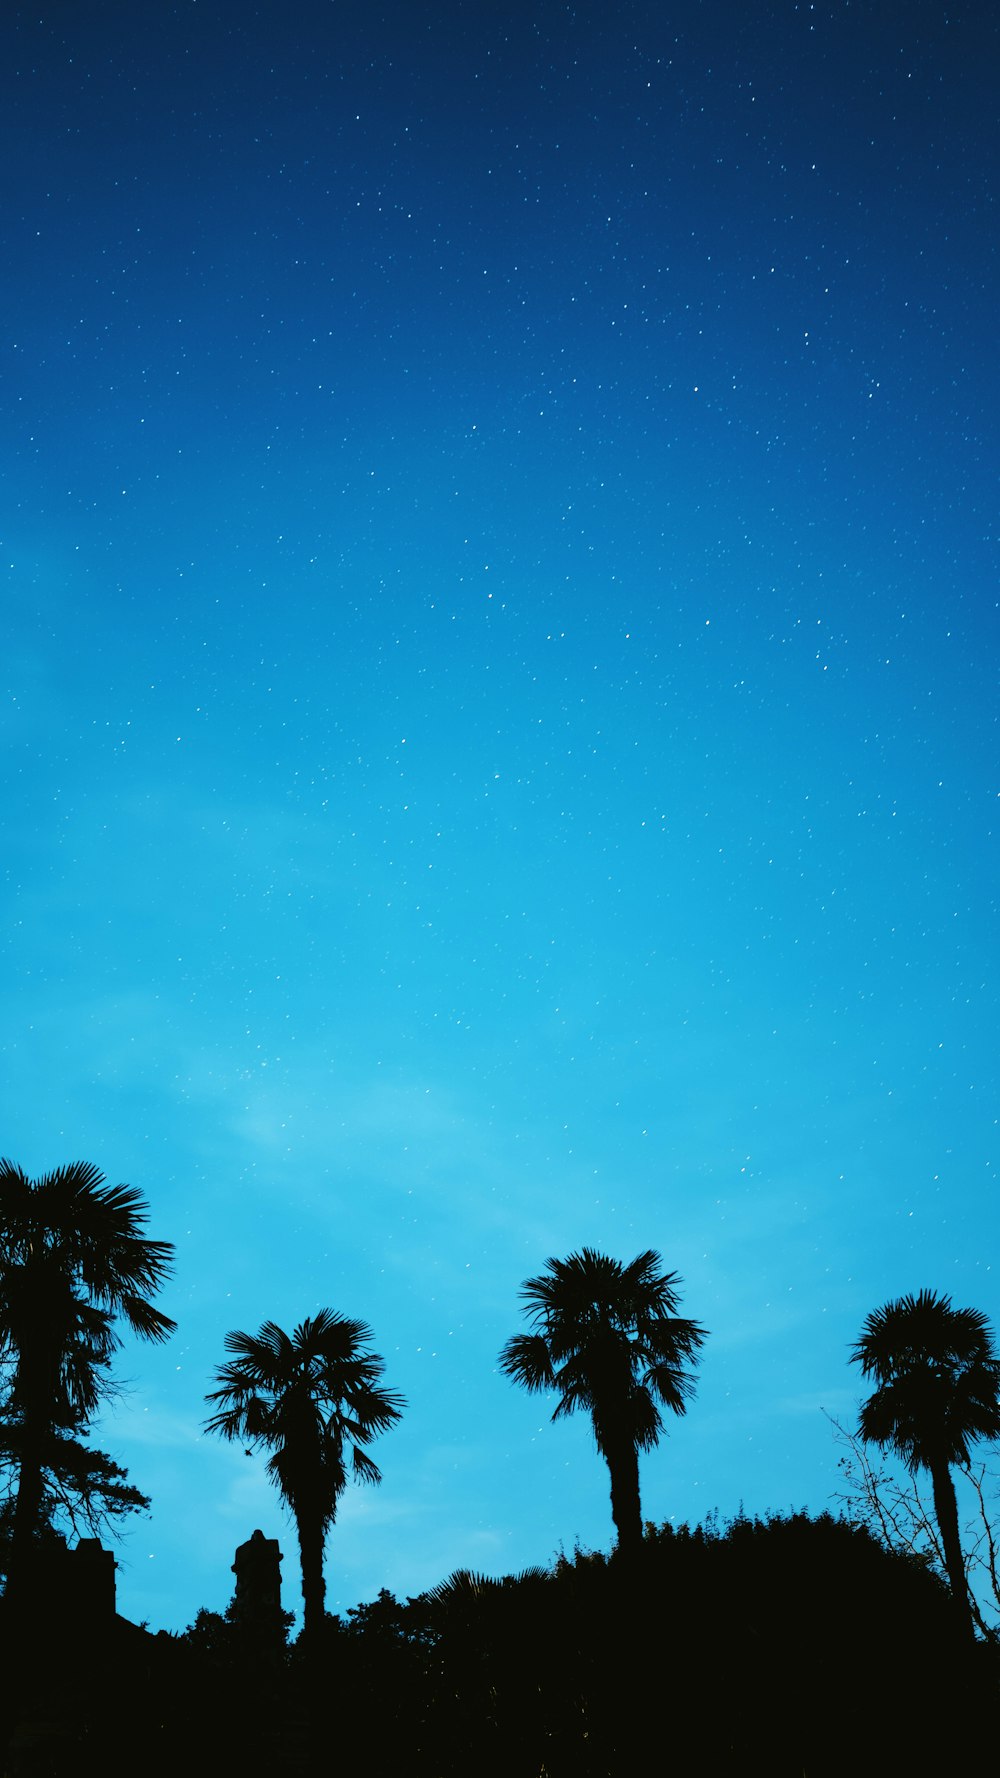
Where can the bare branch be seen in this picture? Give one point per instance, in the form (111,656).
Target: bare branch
(895,1511)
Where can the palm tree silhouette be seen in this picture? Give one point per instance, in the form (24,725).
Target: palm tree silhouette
(309,1399)
(937,1373)
(73,1257)
(607,1336)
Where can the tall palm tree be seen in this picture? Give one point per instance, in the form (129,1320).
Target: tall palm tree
(608,1337)
(311,1399)
(73,1258)
(937,1375)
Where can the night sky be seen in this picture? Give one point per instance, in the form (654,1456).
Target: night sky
(499,640)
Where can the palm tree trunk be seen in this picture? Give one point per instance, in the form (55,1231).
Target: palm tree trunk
(623,1467)
(946,1513)
(36,1395)
(310,1534)
(27,1512)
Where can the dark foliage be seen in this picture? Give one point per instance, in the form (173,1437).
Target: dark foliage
(791,1645)
(84,1492)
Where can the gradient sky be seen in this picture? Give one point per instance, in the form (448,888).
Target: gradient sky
(499,642)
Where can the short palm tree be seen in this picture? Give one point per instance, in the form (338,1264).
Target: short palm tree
(608,1338)
(937,1376)
(313,1399)
(73,1258)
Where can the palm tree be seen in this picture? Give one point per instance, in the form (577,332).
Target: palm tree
(73,1257)
(608,1337)
(937,1373)
(309,1399)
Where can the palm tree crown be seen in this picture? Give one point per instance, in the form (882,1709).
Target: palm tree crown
(937,1392)
(937,1375)
(607,1338)
(77,1237)
(314,1401)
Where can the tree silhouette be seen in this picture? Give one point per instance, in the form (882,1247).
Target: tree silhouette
(938,1391)
(310,1399)
(608,1338)
(83,1490)
(73,1257)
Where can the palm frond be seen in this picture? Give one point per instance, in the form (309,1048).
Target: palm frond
(671,1382)
(146,1320)
(526,1359)
(365,1470)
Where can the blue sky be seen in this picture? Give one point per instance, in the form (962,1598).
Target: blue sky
(499,720)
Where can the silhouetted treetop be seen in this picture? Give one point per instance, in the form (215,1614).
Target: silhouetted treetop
(937,1392)
(315,1401)
(607,1338)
